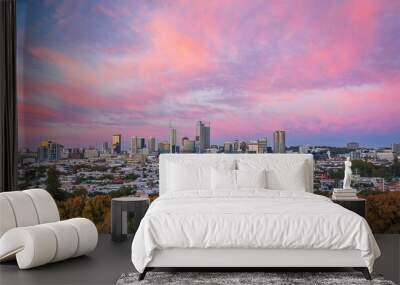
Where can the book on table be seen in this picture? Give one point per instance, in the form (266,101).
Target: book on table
(344,194)
(340,190)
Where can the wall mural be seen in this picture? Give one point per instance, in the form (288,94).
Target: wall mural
(105,86)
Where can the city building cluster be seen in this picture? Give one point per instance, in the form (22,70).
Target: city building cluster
(110,167)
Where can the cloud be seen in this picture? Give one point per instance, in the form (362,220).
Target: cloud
(310,67)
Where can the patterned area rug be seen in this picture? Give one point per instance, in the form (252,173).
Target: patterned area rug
(275,278)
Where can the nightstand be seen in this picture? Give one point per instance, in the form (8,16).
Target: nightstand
(357,205)
(119,214)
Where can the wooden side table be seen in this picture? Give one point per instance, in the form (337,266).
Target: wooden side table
(119,214)
(357,205)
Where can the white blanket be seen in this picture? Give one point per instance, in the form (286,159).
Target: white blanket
(250,219)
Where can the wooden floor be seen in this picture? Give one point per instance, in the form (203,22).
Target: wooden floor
(111,259)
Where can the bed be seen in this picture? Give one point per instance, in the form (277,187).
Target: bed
(246,211)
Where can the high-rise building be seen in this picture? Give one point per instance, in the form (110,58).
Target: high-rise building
(104,148)
(50,151)
(252,147)
(279,141)
(151,144)
(188,146)
(55,151)
(116,144)
(202,139)
(163,147)
(228,147)
(262,145)
(353,145)
(396,148)
(134,145)
(172,140)
(142,142)
(243,147)
(236,146)
(43,150)
(137,144)
(91,152)
(183,141)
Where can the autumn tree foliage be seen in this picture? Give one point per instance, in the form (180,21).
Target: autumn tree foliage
(96,209)
(383,212)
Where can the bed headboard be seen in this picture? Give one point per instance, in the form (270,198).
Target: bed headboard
(212,159)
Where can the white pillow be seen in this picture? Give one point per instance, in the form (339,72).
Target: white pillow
(251,178)
(282,174)
(223,179)
(188,177)
(291,177)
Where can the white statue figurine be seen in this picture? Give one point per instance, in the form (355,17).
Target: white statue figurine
(347,174)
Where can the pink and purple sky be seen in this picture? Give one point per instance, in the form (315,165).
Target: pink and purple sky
(327,72)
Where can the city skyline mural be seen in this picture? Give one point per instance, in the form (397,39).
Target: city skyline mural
(326,72)
(107,86)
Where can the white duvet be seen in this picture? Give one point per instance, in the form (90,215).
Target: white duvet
(250,219)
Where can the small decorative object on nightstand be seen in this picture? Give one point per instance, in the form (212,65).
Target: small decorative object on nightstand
(357,205)
(348,174)
(345,193)
(119,214)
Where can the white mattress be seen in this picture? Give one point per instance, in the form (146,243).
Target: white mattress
(253,219)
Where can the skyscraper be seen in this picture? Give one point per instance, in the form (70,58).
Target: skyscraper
(49,151)
(172,139)
(202,139)
(137,144)
(116,144)
(163,147)
(183,141)
(279,142)
(151,144)
(236,146)
(262,145)
(228,147)
(243,147)
(43,150)
(252,147)
(55,151)
(188,146)
(104,148)
(134,145)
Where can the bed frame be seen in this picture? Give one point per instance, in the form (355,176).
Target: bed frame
(246,259)
(250,259)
